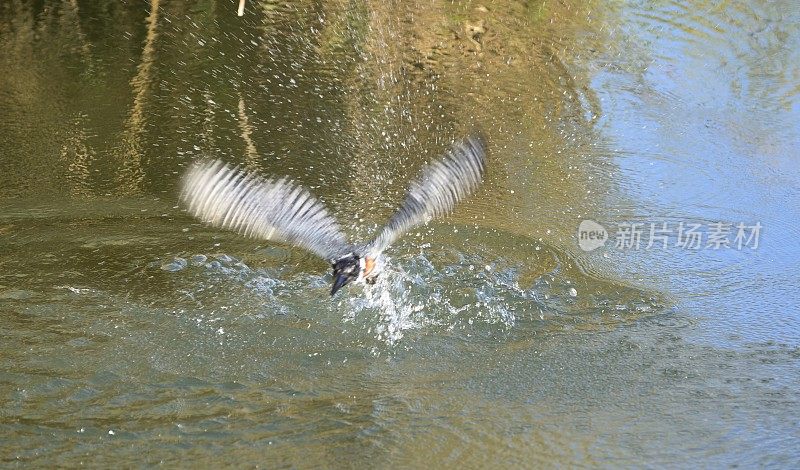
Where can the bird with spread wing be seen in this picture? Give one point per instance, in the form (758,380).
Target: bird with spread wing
(281,210)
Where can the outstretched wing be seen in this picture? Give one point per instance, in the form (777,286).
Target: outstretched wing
(277,210)
(436,192)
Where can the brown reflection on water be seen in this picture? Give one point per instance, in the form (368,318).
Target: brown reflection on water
(427,73)
(78,156)
(132,173)
(381,88)
(250,153)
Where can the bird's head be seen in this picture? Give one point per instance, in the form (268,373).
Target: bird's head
(350,268)
(345,270)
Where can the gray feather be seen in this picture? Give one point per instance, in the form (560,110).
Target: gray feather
(277,210)
(437,191)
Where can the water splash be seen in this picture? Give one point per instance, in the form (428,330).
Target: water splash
(447,290)
(392,301)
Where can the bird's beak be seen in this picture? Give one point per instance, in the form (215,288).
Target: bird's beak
(338,282)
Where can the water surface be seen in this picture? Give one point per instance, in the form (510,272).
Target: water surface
(132,334)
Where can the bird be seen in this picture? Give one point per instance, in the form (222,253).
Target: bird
(280,210)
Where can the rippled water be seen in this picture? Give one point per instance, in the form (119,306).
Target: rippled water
(131,334)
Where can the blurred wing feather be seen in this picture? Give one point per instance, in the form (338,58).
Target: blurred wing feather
(277,210)
(437,191)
